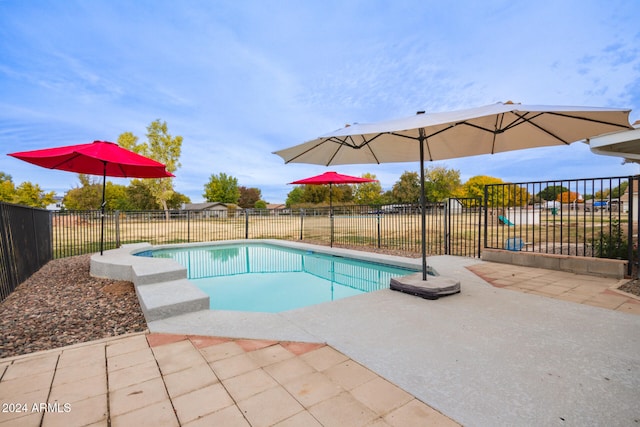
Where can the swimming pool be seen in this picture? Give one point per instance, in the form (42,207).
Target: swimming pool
(270,278)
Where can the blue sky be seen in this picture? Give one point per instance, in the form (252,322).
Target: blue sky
(241,79)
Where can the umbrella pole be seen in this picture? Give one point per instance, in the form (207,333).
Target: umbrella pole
(331,213)
(104,185)
(423,207)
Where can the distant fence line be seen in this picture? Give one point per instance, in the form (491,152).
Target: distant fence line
(509,216)
(391,227)
(25,244)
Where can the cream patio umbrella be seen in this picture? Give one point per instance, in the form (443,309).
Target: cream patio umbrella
(437,136)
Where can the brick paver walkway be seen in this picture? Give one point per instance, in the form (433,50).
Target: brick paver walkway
(582,289)
(176,380)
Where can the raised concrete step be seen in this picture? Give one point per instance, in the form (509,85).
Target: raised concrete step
(168,299)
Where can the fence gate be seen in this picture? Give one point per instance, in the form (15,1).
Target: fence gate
(463,227)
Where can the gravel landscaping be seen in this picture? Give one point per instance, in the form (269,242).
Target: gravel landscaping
(61,304)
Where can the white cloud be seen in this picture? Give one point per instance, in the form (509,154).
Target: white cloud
(240,80)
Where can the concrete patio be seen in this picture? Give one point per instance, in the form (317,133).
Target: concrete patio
(537,347)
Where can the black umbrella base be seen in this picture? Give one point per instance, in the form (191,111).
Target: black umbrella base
(432,288)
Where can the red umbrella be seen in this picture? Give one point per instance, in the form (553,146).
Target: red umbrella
(97,158)
(332,178)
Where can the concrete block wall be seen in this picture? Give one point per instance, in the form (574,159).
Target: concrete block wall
(575,264)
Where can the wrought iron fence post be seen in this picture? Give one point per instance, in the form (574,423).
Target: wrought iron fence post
(117,214)
(379,234)
(301,222)
(246,224)
(486,214)
(447,226)
(480,226)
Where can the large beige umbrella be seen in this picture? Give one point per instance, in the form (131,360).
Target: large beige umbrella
(437,136)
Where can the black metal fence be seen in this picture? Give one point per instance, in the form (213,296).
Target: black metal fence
(452,228)
(25,244)
(594,217)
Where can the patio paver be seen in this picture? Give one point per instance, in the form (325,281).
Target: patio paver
(179,380)
(590,290)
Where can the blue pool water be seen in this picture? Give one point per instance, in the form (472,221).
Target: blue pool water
(270,278)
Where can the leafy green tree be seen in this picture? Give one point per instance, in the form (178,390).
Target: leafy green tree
(551,193)
(505,195)
(441,183)
(32,195)
(340,194)
(618,191)
(387,198)
(294,197)
(407,188)
(260,204)
(86,196)
(474,187)
(7,188)
(222,188)
(316,194)
(603,194)
(116,197)
(368,193)
(177,200)
(140,197)
(162,147)
(248,197)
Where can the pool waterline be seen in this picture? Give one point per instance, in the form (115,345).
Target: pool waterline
(165,293)
(266,277)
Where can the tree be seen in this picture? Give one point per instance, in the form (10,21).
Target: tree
(7,188)
(368,193)
(294,197)
(603,194)
(84,197)
(177,200)
(407,188)
(551,192)
(162,147)
(222,188)
(474,187)
(140,197)
(315,194)
(341,193)
(504,195)
(260,204)
(248,197)
(441,183)
(618,191)
(32,195)
(116,197)
(569,197)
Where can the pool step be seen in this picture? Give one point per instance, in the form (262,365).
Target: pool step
(172,298)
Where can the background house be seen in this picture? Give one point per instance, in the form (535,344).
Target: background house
(624,199)
(212,209)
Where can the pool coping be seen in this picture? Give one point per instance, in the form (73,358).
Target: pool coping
(162,286)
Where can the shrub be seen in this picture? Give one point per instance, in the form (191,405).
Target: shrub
(612,244)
